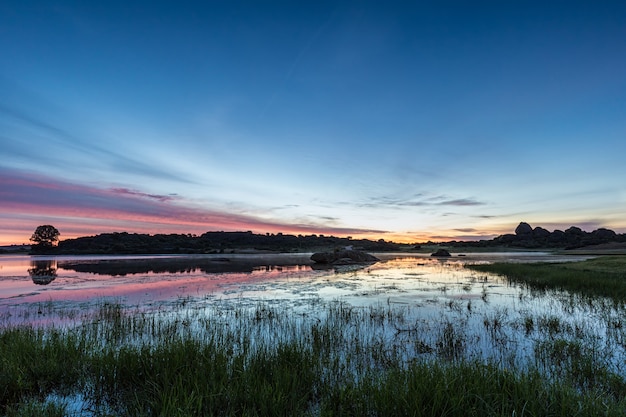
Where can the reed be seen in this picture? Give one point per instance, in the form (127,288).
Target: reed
(36,409)
(261,361)
(604,276)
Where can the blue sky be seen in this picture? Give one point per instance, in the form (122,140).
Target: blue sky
(396,120)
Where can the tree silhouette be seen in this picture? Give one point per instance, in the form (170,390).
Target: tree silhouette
(45,237)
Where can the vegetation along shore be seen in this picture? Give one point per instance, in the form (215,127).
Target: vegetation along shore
(525,237)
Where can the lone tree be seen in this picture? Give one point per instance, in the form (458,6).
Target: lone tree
(45,237)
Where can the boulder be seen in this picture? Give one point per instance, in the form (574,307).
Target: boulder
(441,253)
(576,231)
(540,232)
(604,234)
(523,229)
(344,257)
(557,238)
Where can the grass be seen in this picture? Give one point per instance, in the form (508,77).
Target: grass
(604,276)
(262,362)
(466,389)
(559,358)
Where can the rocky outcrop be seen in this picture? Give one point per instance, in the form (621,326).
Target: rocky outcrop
(574,237)
(540,233)
(604,234)
(527,237)
(344,257)
(442,253)
(574,231)
(523,229)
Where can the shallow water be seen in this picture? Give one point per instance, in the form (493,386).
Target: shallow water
(286,281)
(139,279)
(413,304)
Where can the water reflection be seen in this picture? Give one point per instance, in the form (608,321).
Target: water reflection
(406,306)
(43,272)
(440,307)
(289,280)
(182,265)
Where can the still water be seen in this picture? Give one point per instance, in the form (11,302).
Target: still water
(288,281)
(423,305)
(288,278)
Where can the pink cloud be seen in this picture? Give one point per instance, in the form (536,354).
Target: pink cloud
(77,210)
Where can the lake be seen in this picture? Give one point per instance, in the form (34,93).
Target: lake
(288,281)
(407,306)
(428,291)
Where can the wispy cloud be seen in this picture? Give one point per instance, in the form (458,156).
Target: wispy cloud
(127,192)
(418,200)
(31,132)
(461,202)
(132,210)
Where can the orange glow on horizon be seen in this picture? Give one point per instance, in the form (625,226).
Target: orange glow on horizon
(79,210)
(72,230)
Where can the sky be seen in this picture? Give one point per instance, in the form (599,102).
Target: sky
(403,121)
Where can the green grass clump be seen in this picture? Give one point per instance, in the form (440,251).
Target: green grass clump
(36,362)
(603,276)
(465,389)
(131,364)
(189,378)
(36,409)
(576,362)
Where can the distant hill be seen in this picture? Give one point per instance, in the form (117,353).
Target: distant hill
(211,242)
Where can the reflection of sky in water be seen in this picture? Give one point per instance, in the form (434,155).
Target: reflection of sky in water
(404,280)
(396,280)
(486,310)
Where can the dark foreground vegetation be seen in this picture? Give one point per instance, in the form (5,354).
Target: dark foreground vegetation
(141,365)
(604,276)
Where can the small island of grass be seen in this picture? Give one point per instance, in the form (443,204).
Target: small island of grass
(603,276)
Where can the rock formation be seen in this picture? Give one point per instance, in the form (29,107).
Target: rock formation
(523,229)
(573,237)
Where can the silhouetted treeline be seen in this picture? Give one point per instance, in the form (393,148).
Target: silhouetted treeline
(211,242)
(15,249)
(527,237)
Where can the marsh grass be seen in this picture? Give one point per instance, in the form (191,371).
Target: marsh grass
(36,409)
(580,364)
(34,362)
(604,276)
(261,361)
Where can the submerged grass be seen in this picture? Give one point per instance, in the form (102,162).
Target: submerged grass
(465,389)
(261,362)
(34,362)
(604,276)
